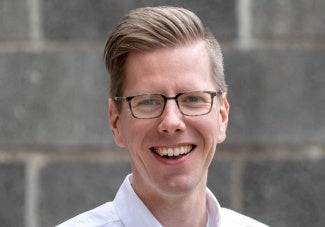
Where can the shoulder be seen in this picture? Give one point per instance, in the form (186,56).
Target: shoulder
(232,218)
(101,216)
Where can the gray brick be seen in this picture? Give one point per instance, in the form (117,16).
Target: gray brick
(81,19)
(288,18)
(68,188)
(54,98)
(86,19)
(286,193)
(219,16)
(13,20)
(12,196)
(219,181)
(276,95)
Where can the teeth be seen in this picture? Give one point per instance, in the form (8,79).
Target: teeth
(170,152)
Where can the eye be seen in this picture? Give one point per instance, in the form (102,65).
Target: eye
(147,101)
(192,99)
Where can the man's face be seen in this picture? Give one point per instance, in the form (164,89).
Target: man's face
(169,72)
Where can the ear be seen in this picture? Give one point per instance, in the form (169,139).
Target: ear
(223,118)
(114,121)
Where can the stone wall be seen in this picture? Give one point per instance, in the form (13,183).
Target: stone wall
(57,154)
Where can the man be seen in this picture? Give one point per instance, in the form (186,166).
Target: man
(169,109)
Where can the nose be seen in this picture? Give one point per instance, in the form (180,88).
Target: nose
(171,120)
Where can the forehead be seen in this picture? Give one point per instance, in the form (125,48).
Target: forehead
(186,67)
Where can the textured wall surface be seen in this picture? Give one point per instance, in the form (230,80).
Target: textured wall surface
(57,154)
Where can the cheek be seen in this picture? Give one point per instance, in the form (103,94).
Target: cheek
(214,125)
(208,127)
(134,131)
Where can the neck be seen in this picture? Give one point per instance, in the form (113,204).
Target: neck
(182,210)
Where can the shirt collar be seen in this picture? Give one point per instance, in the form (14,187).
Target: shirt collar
(214,210)
(131,209)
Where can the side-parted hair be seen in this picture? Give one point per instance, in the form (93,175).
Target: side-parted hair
(149,28)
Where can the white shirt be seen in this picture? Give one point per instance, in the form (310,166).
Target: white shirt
(127,210)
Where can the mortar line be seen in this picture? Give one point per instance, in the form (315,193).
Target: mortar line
(31,194)
(237,184)
(35,23)
(244,22)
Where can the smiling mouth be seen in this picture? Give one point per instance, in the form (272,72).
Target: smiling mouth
(173,152)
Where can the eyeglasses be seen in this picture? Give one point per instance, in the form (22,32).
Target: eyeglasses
(147,106)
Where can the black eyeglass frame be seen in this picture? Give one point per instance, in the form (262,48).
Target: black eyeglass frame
(165,98)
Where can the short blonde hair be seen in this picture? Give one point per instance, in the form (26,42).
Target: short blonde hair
(148,28)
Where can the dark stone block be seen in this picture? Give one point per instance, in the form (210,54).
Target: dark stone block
(276,95)
(286,193)
(81,19)
(288,18)
(54,98)
(219,16)
(68,189)
(86,19)
(12,196)
(220,180)
(14,20)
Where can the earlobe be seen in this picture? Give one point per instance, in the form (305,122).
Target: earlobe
(223,118)
(114,120)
